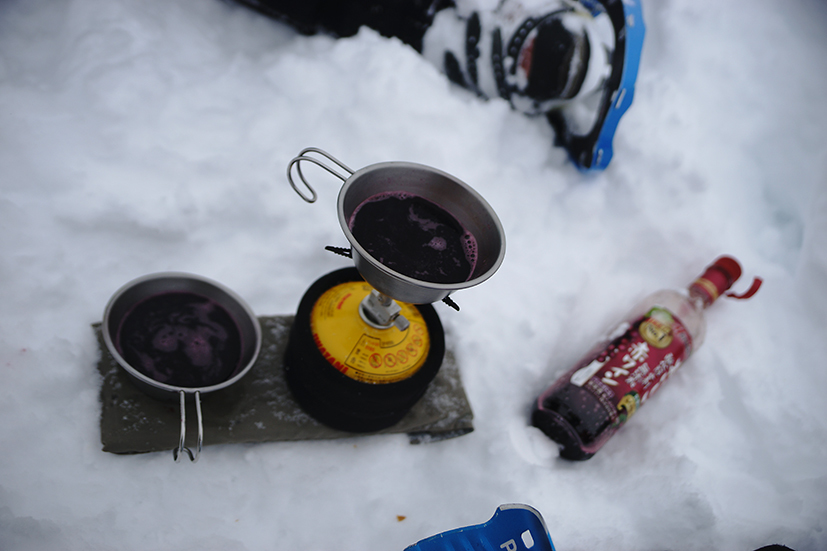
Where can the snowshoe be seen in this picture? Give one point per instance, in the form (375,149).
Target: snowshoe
(512,528)
(572,61)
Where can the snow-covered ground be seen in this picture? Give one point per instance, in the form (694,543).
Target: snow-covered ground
(142,136)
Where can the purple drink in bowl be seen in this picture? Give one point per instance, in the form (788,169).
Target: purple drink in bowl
(415,237)
(396,254)
(180,339)
(418,234)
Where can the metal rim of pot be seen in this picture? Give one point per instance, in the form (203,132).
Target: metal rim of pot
(133,292)
(457,197)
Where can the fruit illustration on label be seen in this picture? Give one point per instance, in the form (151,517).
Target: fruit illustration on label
(657,330)
(629,403)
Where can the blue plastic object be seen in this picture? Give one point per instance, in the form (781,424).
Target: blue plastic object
(593,151)
(513,527)
(622,98)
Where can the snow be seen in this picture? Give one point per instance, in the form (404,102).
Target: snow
(138,137)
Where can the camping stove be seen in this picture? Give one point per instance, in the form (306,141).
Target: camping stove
(366,342)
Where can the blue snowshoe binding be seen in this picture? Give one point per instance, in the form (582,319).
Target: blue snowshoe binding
(512,528)
(593,149)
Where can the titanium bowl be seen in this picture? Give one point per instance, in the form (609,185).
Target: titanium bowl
(142,288)
(448,192)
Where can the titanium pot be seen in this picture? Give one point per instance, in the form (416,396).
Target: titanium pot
(129,298)
(440,188)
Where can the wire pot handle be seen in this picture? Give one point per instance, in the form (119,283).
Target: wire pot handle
(303,156)
(178,452)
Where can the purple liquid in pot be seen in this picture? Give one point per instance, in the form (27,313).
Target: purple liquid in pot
(414,237)
(181,339)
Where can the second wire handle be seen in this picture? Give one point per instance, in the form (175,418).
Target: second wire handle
(303,156)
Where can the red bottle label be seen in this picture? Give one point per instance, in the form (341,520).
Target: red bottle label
(640,357)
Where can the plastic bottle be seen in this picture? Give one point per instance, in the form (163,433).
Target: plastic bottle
(591,401)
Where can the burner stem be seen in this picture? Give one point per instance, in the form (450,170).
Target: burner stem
(381,311)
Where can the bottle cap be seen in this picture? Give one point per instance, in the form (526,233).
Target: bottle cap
(717,278)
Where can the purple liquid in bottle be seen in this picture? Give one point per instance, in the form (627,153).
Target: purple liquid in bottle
(181,339)
(414,237)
